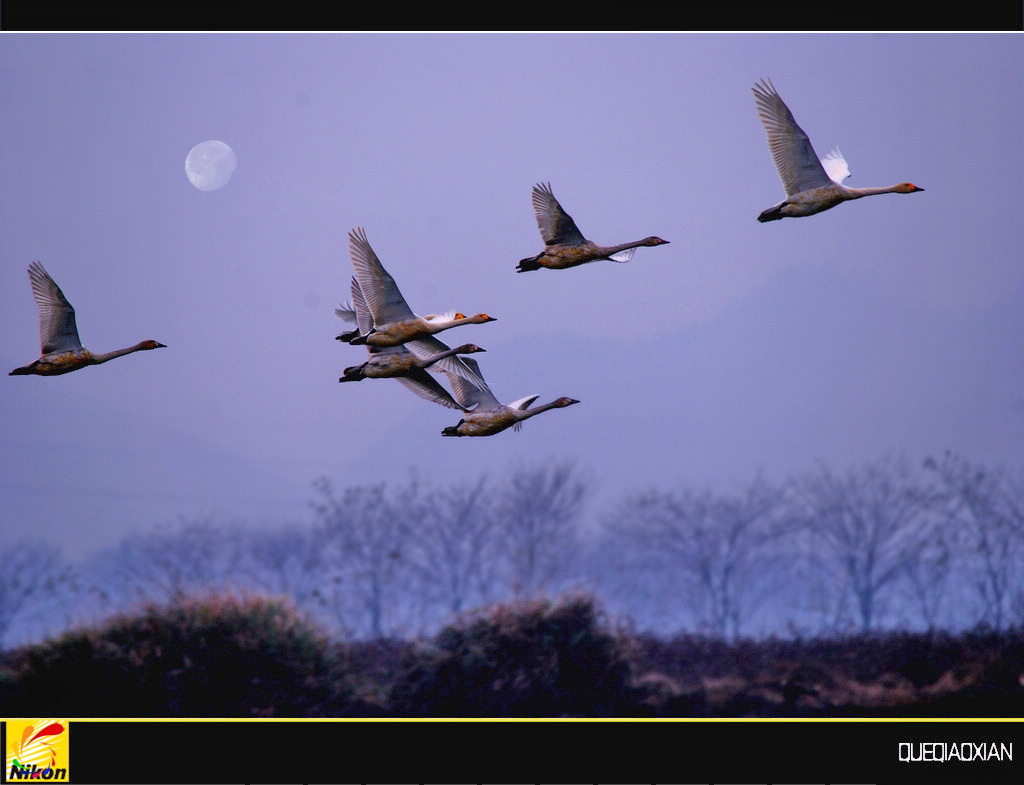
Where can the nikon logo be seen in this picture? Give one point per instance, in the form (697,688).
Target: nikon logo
(22,772)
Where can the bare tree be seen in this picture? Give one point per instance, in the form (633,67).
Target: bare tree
(986,506)
(869,523)
(713,548)
(33,575)
(538,514)
(368,573)
(928,576)
(745,564)
(456,546)
(633,581)
(175,560)
(285,560)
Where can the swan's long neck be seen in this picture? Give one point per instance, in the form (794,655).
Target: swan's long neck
(102,358)
(436,327)
(857,193)
(527,413)
(614,249)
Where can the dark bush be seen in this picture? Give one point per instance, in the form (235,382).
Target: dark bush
(528,659)
(217,656)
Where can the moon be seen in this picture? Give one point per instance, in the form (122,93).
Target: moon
(209,165)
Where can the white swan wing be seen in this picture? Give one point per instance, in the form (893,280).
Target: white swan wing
(555,224)
(58,331)
(795,159)
(426,386)
(470,394)
(429,346)
(441,318)
(835,165)
(523,403)
(364,318)
(379,290)
(346,312)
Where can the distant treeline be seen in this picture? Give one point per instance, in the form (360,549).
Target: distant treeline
(887,545)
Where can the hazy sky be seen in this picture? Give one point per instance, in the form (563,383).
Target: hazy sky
(889,324)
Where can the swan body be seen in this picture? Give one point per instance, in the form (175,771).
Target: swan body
(485,415)
(812,184)
(62,351)
(392,320)
(398,363)
(564,244)
(395,361)
(402,331)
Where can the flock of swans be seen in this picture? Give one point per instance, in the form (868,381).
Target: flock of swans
(402,345)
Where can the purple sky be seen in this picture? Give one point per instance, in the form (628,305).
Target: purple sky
(889,324)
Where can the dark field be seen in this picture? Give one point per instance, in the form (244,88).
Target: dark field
(255,657)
